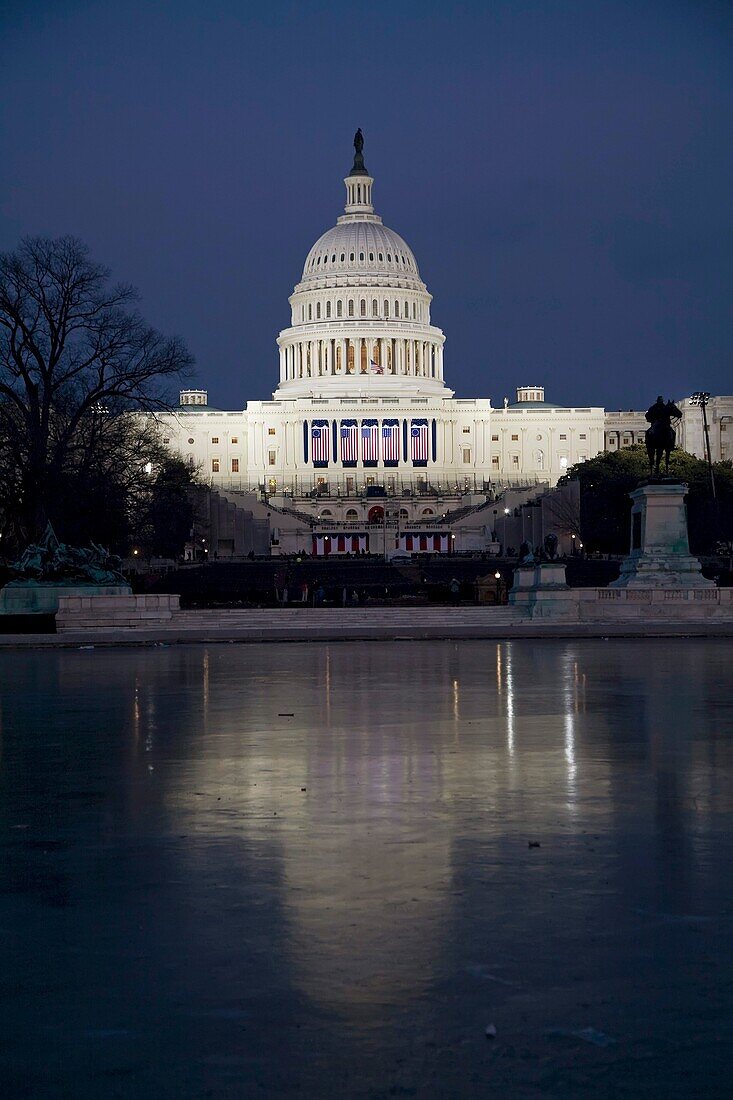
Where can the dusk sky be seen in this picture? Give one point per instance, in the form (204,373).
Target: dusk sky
(562,171)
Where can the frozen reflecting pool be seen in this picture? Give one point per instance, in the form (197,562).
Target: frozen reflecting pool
(325,870)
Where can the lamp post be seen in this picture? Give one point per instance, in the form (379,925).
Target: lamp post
(701,399)
(497,578)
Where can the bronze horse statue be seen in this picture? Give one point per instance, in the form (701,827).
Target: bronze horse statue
(660,436)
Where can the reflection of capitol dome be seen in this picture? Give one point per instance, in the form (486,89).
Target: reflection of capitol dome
(360,320)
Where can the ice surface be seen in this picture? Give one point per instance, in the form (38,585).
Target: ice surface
(203,896)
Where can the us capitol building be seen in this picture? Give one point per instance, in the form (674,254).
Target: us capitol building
(362,416)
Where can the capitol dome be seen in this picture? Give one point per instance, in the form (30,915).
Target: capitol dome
(361,248)
(360,315)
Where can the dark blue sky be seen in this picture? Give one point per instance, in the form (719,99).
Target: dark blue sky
(563,172)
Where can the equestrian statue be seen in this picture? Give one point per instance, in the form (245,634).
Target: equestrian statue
(660,436)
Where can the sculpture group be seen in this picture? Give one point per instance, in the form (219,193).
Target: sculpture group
(51,561)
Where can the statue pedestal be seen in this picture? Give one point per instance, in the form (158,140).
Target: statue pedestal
(542,590)
(42,598)
(660,552)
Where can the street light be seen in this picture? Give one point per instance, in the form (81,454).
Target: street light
(701,399)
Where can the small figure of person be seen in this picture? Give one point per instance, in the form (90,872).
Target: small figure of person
(455,591)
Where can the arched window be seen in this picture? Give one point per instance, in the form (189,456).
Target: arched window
(318,311)
(351,257)
(403,513)
(361,255)
(396,308)
(339,308)
(310,312)
(326,512)
(375,308)
(343,257)
(352,514)
(328,309)
(371,257)
(407,309)
(414,311)
(362,307)
(338,358)
(428,512)
(350,358)
(540,460)
(381,257)
(386,308)
(351,307)
(389,257)
(333,258)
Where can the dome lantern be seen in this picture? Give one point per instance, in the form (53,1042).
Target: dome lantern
(359,182)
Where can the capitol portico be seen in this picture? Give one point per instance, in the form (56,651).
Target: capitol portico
(362,408)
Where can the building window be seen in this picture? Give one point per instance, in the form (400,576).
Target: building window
(328,310)
(234,439)
(467,454)
(582,436)
(339,309)
(515,460)
(270,458)
(428,512)
(215,439)
(191,440)
(375,308)
(515,438)
(396,308)
(361,256)
(626,439)
(362,307)
(466,431)
(310,312)
(386,308)
(495,461)
(235,465)
(270,431)
(166,439)
(563,437)
(563,462)
(318,311)
(351,307)
(215,465)
(352,514)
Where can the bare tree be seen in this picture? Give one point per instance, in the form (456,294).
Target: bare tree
(563,508)
(74,356)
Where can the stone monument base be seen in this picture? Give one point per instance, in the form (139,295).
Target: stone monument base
(42,598)
(660,553)
(541,589)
